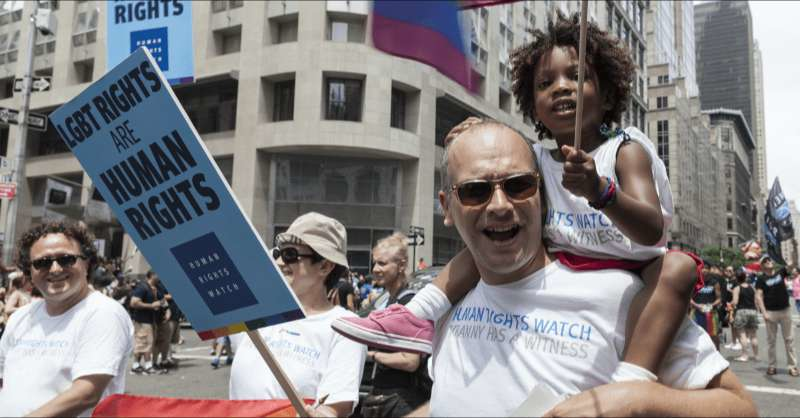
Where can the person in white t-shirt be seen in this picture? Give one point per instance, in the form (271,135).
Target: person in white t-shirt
(62,354)
(324,366)
(609,203)
(533,321)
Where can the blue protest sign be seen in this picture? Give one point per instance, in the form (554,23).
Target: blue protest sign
(163,27)
(134,140)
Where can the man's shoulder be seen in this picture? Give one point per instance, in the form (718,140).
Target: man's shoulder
(24,311)
(105,306)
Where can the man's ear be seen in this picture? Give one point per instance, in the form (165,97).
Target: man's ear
(446,208)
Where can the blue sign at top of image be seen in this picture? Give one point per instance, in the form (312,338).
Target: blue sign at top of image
(156,41)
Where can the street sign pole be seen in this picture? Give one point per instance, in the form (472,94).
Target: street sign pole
(18,164)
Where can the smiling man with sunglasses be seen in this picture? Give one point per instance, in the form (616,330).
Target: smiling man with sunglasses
(59,356)
(531,322)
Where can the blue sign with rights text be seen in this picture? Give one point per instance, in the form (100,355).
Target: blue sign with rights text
(147,161)
(163,27)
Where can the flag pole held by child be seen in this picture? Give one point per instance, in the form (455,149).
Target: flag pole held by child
(581,74)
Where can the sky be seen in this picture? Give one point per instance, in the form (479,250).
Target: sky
(776,26)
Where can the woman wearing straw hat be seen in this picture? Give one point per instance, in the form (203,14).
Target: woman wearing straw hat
(320,363)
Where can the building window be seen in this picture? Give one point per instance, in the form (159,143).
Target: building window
(6,87)
(641,56)
(286,31)
(222,5)
(504,101)
(342,29)
(642,123)
(398,116)
(9,42)
(228,40)
(10,11)
(45,44)
(211,106)
(84,70)
(85,25)
(343,99)
(662,138)
(283,108)
(729,205)
(661,102)
(730,224)
(663,79)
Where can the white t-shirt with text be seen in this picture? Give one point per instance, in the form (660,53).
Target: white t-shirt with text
(573,226)
(559,327)
(317,360)
(41,355)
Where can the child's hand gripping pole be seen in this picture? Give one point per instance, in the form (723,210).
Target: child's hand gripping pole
(581,73)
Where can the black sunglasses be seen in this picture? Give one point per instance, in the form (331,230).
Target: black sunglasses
(65,261)
(289,255)
(517,187)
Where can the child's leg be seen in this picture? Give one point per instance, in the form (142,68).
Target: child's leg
(457,278)
(410,328)
(658,310)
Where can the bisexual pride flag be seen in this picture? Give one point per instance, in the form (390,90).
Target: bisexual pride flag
(425,31)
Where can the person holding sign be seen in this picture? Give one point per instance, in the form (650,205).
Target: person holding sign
(608,202)
(62,354)
(324,366)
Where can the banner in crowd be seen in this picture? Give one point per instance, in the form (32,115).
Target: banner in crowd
(777,222)
(163,27)
(425,31)
(137,144)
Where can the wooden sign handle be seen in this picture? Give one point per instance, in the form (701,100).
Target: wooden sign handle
(283,380)
(581,74)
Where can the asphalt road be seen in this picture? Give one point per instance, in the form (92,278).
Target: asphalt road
(775,396)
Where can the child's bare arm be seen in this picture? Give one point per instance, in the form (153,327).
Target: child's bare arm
(657,310)
(636,211)
(458,277)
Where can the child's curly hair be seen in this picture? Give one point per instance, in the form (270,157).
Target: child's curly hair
(605,54)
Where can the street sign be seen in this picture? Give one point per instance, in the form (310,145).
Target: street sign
(36,121)
(5,165)
(8,116)
(8,190)
(39,84)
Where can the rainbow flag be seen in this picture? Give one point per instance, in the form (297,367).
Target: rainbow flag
(152,406)
(425,31)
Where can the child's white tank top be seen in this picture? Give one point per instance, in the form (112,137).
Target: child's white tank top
(573,226)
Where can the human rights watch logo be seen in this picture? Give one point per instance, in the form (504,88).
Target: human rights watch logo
(213,274)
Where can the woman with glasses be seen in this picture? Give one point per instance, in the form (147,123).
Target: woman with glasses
(321,364)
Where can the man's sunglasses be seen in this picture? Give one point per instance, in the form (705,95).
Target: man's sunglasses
(517,187)
(65,261)
(289,255)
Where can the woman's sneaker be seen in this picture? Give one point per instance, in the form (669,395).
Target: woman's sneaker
(394,328)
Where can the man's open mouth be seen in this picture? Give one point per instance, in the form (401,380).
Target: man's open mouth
(502,233)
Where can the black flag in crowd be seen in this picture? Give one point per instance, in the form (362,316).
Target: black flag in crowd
(777,222)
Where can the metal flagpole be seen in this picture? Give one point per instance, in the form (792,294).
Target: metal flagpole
(18,163)
(581,74)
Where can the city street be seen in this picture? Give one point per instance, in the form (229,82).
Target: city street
(776,395)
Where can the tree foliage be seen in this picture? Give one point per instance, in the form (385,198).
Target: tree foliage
(730,256)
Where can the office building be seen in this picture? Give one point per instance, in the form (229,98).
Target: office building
(299,110)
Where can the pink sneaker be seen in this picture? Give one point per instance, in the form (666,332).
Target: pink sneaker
(394,328)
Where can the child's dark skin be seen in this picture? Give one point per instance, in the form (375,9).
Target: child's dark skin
(657,311)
